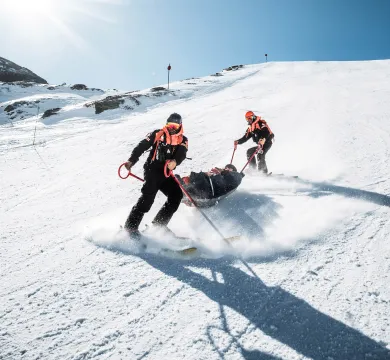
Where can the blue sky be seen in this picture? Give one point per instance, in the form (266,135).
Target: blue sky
(127,44)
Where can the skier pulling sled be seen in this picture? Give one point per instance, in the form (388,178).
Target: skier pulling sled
(259,131)
(168,173)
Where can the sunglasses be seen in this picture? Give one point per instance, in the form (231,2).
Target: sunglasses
(172,126)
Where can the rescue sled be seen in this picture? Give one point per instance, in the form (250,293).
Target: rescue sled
(206,202)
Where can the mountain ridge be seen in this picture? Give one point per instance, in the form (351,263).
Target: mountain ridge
(11,72)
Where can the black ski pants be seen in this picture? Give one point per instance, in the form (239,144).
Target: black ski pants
(155,180)
(261,163)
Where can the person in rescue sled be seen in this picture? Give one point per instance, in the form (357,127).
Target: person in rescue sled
(259,131)
(166,144)
(212,184)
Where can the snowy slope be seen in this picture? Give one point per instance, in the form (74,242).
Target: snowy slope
(309,279)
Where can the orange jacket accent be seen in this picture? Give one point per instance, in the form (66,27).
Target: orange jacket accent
(259,124)
(256,131)
(175,139)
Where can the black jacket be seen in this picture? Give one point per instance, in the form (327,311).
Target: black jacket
(206,186)
(260,131)
(161,150)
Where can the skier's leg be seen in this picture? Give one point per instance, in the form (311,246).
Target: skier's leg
(144,203)
(249,153)
(174,195)
(262,165)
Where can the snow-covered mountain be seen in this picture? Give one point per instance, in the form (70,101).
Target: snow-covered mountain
(10,72)
(308,279)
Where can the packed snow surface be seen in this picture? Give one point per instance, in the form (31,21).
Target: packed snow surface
(309,277)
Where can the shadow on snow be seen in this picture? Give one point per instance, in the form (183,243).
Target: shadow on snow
(276,312)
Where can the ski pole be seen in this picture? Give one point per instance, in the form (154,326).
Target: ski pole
(170,173)
(260,147)
(129,174)
(235,147)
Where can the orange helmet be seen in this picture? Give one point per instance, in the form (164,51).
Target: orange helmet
(250,116)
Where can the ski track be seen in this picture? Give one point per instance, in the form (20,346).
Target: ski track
(313,279)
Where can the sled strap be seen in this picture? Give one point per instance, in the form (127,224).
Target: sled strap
(211,184)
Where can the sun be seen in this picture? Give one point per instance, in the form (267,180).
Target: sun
(38,20)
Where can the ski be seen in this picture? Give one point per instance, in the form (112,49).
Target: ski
(193,249)
(282,175)
(147,241)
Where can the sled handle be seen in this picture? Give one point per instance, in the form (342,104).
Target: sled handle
(167,172)
(260,147)
(193,201)
(235,148)
(129,174)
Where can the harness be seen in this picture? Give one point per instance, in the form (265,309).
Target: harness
(164,135)
(211,184)
(258,124)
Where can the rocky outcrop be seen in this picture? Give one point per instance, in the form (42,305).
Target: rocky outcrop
(50,112)
(127,101)
(158,88)
(115,102)
(11,72)
(109,103)
(21,109)
(79,87)
(160,91)
(234,67)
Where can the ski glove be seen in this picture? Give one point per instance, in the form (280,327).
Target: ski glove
(172,165)
(128,165)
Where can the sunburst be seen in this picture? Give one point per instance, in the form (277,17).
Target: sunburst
(35,18)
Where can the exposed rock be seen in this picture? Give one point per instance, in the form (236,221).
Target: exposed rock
(11,72)
(158,88)
(108,103)
(9,108)
(160,91)
(79,87)
(234,67)
(15,105)
(127,101)
(24,84)
(50,112)
(51,88)
(217,74)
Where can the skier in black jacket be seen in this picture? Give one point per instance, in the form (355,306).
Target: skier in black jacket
(260,132)
(213,184)
(168,144)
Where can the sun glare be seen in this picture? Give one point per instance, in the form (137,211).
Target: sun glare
(29,7)
(35,19)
